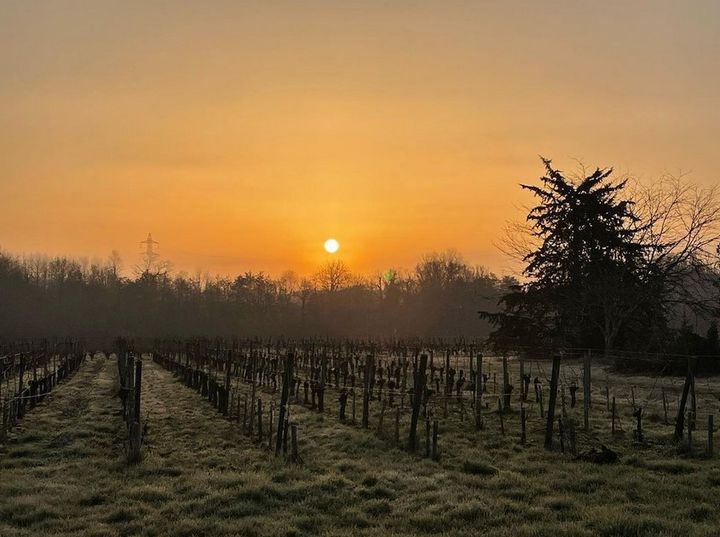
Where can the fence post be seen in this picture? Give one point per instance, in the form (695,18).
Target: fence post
(586,391)
(287,378)
(689,381)
(710,431)
(366,390)
(138,388)
(506,385)
(397,426)
(418,391)
(551,403)
(259,418)
(478,392)
(226,398)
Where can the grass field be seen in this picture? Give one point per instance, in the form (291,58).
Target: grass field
(63,472)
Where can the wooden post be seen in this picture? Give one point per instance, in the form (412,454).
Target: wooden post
(448,387)
(435,452)
(138,389)
(665,406)
(689,380)
(380,420)
(270,427)
(244,415)
(523,395)
(228,371)
(506,385)
(283,411)
(613,416)
(294,454)
(259,418)
(710,431)
(607,392)
(551,403)
(427,435)
(353,403)
(418,390)
(478,392)
(366,391)
(638,430)
(134,442)
(397,426)
(586,391)
(522,425)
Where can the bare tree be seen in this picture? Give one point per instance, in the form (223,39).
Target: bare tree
(333,276)
(680,223)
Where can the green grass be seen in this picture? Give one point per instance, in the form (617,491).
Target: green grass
(63,473)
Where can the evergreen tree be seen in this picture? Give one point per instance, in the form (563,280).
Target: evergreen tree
(584,270)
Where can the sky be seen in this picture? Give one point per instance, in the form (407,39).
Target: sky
(244,134)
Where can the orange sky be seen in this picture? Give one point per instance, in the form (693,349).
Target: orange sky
(242,136)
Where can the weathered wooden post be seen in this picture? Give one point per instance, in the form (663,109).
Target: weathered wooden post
(551,402)
(586,391)
(283,410)
(321,386)
(228,372)
(397,426)
(448,387)
(507,390)
(612,414)
(294,454)
(418,390)
(369,366)
(665,406)
(381,419)
(638,430)
(435,452)
(135,433)
(259,418)
(689,380)
(244,415)
(353,403)
(607,392)
(427,435)
(710,431)
(478,392)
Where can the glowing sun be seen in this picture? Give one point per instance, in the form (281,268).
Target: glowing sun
(331,246)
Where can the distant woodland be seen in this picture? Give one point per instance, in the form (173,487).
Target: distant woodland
(41,296)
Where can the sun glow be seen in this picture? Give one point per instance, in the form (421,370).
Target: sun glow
(331,246)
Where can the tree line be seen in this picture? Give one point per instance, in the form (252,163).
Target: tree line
(42,296)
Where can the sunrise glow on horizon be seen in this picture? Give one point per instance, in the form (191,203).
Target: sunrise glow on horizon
(244,135)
